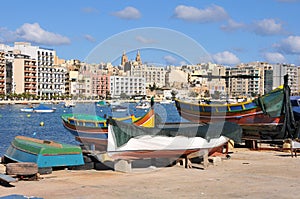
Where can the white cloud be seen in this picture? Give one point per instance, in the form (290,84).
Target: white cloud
(274,57)
(290,45)
(89,38)
(34,33)
(268,27)
(7,36)
(128,13)
(170,59)
(232,25)
(225,58)
(209,14)
(144,40)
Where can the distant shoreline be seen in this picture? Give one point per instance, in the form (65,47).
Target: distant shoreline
(26,102)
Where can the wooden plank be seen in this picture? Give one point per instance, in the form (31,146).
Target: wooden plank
(7,178)
(21,168)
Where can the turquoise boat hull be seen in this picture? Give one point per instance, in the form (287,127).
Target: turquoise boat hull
(23,149)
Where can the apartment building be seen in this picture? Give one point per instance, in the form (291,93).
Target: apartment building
(2,73)
(24,74)
(102,83)
(47,69)
(152,74)
(240,86)
(127,85)
(279,70)
(206,78)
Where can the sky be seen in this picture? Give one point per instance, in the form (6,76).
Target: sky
(226,32)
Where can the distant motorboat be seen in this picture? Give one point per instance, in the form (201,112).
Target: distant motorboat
(39,109)
(119,108)
(28,110)
(101,103)
(143,105)
(69,104)
(166,102)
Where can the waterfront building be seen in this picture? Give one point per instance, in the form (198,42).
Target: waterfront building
(246,87)
(47,68)
(152,74)
(129,86)
(298,81)
(176,77)
(72,82)
(2,73)
(103,85)
(279,70)
(24,77)
(206,79)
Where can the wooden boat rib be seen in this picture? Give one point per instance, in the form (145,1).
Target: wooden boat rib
(43,152)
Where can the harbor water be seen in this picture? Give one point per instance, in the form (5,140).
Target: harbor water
(48,126)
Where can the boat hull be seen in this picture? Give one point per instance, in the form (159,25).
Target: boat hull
(44,153)
(126,141)
(94,133)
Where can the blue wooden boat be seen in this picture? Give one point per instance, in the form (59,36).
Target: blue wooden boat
(44,153)
(295,101)
(92,129)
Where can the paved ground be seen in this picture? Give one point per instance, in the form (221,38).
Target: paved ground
(248,174)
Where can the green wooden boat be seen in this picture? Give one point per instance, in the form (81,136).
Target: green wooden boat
(44,153)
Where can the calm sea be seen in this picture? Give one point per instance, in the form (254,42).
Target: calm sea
(13,122)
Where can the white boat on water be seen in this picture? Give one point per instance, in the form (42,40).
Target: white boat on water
(166,101)
(39,109)
(69,104)
(27,110)
(143,105)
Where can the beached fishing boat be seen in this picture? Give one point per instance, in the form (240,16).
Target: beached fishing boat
(43,152)
(133,142)
(265,116)
(92,129)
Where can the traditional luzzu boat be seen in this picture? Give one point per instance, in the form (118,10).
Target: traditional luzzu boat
(91,130)
(127,141)
(44,153)
(264,117)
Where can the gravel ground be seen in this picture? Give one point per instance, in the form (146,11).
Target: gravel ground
(247,174)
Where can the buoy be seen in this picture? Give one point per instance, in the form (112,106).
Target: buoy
(41,123)
(28,115)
